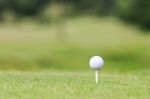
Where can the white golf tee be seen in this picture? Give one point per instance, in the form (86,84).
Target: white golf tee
(96,76)
(96,63)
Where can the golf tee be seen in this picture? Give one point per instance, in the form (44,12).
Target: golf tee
(96,76)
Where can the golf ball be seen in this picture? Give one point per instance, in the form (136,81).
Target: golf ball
(96,62)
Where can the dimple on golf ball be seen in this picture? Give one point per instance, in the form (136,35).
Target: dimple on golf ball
(96,62)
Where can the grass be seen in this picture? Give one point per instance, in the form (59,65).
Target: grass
(36,47)
(31,46)
(74,85)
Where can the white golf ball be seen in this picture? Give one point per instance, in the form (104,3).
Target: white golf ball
(96,62)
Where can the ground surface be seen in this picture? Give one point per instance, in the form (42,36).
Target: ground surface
(31,46)
(74,85)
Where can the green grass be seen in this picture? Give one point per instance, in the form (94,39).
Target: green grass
(36,47)
(74,85)
(31,46)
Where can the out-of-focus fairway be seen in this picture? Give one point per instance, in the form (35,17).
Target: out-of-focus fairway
(74,85)
(31,46)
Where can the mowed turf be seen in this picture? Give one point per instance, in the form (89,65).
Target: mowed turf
(74,85)
(30,46)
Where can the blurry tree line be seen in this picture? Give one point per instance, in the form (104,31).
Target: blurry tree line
(135,11)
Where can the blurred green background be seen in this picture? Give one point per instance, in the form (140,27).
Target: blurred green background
(64,34)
